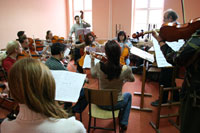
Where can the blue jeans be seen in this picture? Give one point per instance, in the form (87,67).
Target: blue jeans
(124,106)
(81,104)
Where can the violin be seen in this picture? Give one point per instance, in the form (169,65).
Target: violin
(57,39)
(142,33)
(173,31)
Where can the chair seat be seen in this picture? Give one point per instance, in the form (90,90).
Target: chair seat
(101,113)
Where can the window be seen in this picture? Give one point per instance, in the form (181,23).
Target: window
(80,5)
(145,13)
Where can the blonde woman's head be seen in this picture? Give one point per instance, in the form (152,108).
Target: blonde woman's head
(13,46)
(32,83)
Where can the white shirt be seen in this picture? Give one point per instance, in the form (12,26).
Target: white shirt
(28,121)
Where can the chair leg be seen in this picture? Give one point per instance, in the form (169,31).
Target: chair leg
(81,117)
(94,122)
(89,124)
(114,124)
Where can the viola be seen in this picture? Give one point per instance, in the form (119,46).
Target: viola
(39,45)
(100,57)
(173,31)
(31,44)
(61,39)
(57,39)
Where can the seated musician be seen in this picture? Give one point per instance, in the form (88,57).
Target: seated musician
(125,47)
(12,50)
(112,75)
(54,63)
(48,42)
(28,49)
(49,36)
(20,34)
(89,42)
(35,93)
(57,52)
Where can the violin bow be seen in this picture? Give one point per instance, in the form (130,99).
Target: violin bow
(183,11)
(34,42)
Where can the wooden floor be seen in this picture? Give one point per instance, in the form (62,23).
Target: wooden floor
(138,120)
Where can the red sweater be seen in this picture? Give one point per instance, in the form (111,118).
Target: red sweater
(7,63)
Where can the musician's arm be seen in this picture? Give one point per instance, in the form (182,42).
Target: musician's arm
(81,45)
(71,32)
(93,68)
(85,24)
(180,57)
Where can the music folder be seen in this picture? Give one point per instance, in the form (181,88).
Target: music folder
(142,54)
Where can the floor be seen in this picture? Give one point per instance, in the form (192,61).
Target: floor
(138,120)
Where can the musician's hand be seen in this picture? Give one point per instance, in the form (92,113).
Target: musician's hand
(92,55)
(70,38)
(73,45)
(156,36)
(83,21)
(4,95)
(125,45)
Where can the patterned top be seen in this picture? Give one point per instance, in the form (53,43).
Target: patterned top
(55,64)
(188,57)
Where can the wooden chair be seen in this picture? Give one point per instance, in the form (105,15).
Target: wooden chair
(169,104)
(102,98)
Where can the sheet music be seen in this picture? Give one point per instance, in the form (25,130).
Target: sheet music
(82,31)
(87,61)
(67,89)
(66,53)
(176,45)
(160,59)
(143,54)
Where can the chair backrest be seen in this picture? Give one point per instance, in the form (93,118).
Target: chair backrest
(3,74)
(101,97)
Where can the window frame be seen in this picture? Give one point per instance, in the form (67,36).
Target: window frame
(148,9)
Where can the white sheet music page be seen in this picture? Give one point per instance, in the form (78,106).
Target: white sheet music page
(68,85)
(160,59)
(66,53)
(142,54)
(176,45)
(82,31)
(87,61)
